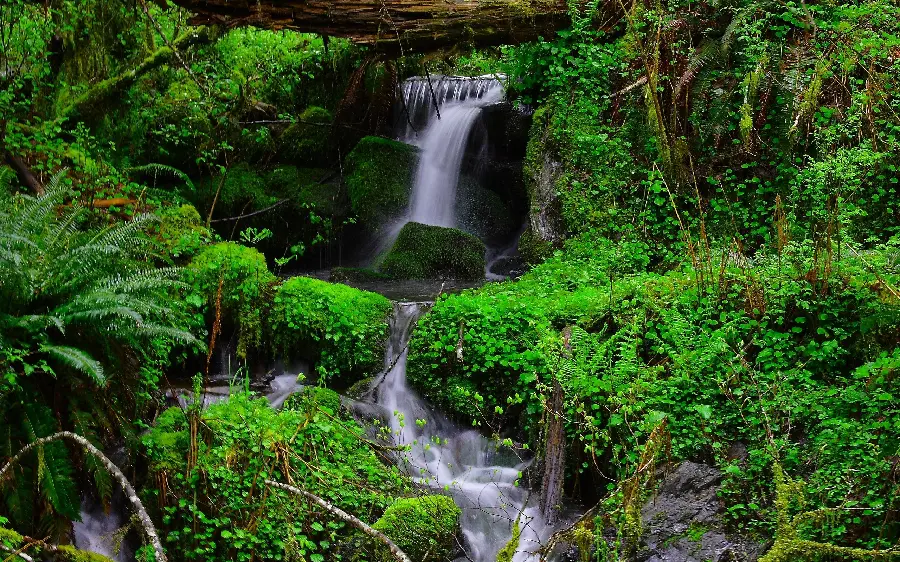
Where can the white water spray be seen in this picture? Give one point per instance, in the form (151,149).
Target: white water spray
(443,142)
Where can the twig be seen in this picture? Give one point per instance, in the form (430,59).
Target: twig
(334,510)
(142,515)
(433,97)
(254,213)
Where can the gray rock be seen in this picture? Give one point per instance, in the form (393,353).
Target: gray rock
(682,523)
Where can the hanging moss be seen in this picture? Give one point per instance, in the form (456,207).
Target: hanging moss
(307,142)
(509,549)
(423,252)
(339,328)
(379,179)
(424,527)
(246,284)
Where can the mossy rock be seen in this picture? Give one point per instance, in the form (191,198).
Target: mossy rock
(379,174)
(338,328)
(308,141)
(310,397)
(181,230)
(244,189)
(356,275)
(426,252)
(359,389)
(425,528)
(305,189)
(533,249)
(483,213)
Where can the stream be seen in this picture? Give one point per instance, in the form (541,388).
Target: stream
(479,473)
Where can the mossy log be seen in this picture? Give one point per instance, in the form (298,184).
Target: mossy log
(92,101)
(396,25)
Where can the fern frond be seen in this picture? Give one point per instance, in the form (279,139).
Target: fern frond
(77,359)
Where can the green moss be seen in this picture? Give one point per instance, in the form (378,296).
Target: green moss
(424,527)
(307,141)
(10,537)
(509,549)
(379,179)
(72,554)
(339,328)
(246,284)
(314,397)
(168,440)
(533,248)
(181,230)
(302,186)
(244,189)
(355,275)
(422,251)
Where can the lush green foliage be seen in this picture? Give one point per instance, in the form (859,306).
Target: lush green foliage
(426,252)
(213,502)
(235,280)
(339,328)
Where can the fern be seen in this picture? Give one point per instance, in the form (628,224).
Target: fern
(75,306)
(157,169)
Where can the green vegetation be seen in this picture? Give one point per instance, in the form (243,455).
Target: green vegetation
(213,503)
(341,329)
(379,179)
(426,252)
(425,527)
(715,252)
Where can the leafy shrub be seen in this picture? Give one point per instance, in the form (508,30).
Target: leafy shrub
(246,285)
(215,505)
(379,179)
(424,527)
(243,188)
(423,252)
(340,329)
(311,397)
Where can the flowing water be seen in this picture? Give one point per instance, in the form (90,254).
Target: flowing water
(480,474)
(97,530)
(443,143)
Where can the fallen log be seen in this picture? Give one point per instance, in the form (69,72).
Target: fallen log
(394,25)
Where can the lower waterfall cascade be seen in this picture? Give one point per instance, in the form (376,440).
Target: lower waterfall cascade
(479,473)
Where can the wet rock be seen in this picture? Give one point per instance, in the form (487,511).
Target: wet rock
(682,523)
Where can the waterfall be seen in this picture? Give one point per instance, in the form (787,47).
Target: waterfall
(479,473)
(97,530)
(442,132)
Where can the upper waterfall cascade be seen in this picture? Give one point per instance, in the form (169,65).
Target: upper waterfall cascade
(442,131)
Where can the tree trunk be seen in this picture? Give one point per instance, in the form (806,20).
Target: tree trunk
(394,25)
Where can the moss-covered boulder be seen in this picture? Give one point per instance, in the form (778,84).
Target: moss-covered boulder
(308,141)
(379,175)
(424,252)
(425,527)
(181,230)
(246,284)
(338,328)
(242,189)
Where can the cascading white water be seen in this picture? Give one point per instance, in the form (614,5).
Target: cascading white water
(443,142)
(96,532)
(480,474)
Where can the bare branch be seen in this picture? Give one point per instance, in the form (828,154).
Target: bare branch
(147,523)
(334,510)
